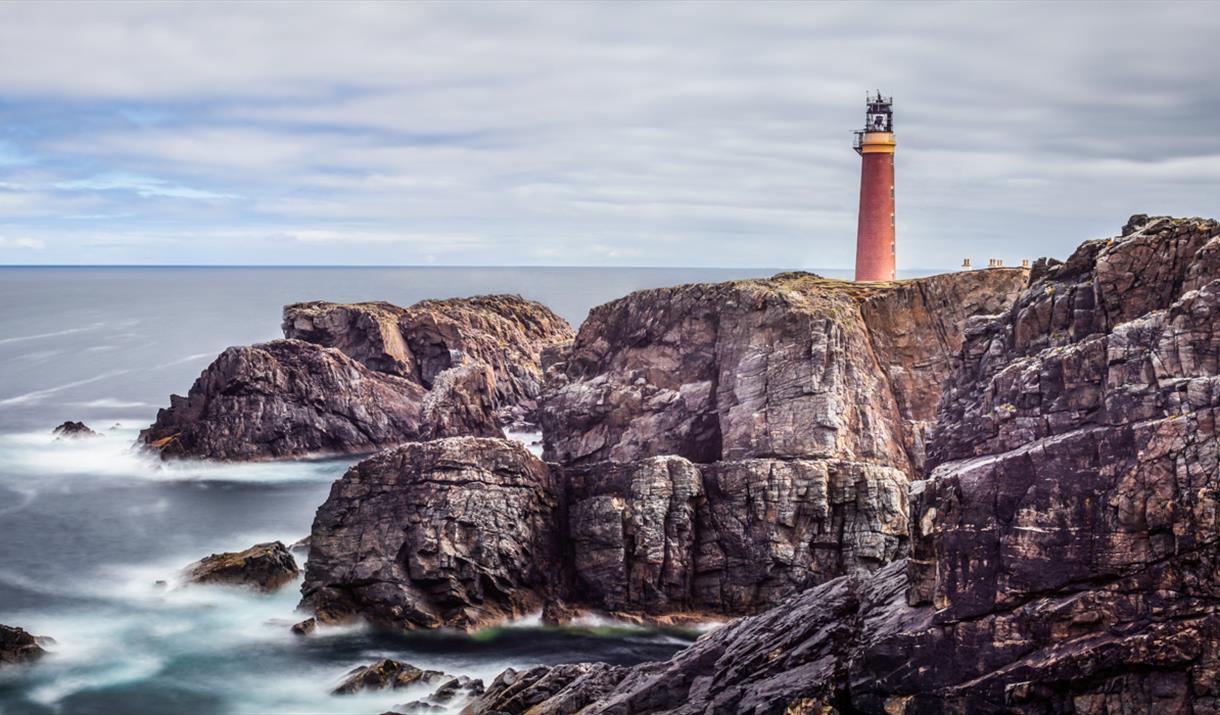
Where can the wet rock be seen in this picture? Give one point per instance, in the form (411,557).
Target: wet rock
(385,674)
(300,547)
(73,430)
(264,567)
(458,532)
(305,627)
(289,398)
(19,647)
(419,343)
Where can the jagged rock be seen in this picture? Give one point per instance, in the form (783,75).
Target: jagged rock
(1064,547)
(665,536)
(383,674)
(794,366)
(289,398)
(458,532)
(264,567)
(305,627)
(505,332)
(18,647)
(73,430)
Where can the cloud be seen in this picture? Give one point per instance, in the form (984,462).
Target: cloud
(596,133)
(22,242)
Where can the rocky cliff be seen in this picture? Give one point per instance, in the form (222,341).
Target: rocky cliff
(364,377)
(1064,542)
(288,397)
(418,343)
(794,366)
(719,448)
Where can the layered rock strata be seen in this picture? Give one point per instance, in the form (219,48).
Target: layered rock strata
(1064,544)
(505,332)
(658,506)
(352,379)
(290,398)
(459,532)
(794,366)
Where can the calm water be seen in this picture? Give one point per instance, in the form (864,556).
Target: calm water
(87,527)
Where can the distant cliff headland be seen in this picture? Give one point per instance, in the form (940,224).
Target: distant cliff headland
(985,491)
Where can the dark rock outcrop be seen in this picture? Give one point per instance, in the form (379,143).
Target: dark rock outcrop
(1064,545)
(383,674)
(263,567)
(794,366)
(19,647)
(290,398)
(505,332)
(666,536)
(458,532)
(794,482)
(73,430)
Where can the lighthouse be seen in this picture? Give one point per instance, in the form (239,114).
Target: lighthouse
(875,250)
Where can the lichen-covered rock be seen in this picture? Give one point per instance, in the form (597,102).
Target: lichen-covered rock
(383,674)
(19,647)
(419,343)
(264,567)
(290,398)
(458,532)
(794,366)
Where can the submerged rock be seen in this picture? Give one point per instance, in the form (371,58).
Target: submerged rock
(264,567)
(1063,545)
(419,343)
(458,532)
(383,674)
(73,430)
(19,647)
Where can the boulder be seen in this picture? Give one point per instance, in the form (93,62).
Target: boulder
(385,674)
(73,430)
(505,332)
(19,647)
(290,398)
(458,532)
(263,567)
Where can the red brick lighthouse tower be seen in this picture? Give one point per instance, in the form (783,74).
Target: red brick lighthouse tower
(875,254)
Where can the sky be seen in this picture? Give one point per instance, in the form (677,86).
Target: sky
(633,134)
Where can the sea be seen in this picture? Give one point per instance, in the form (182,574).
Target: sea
(89,527)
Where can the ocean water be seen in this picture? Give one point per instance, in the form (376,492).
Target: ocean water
(88,527)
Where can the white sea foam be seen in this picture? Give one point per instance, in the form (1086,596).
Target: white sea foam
(37,455)
(55,334)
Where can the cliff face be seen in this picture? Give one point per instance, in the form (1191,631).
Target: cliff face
(418,343)
(1064,544)
(718,448)
(790,367)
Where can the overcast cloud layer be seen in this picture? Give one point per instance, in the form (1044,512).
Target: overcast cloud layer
(599,134)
